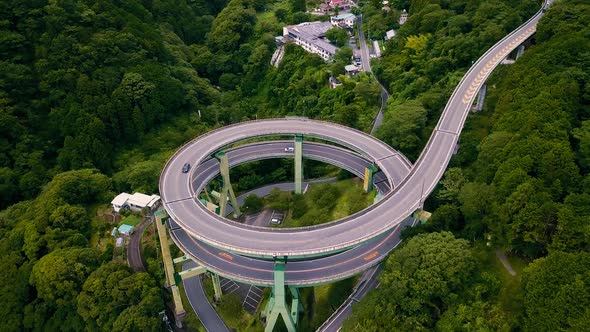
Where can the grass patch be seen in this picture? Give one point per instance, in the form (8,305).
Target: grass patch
(328,298)
(322,203)
(509,296)
(131,220)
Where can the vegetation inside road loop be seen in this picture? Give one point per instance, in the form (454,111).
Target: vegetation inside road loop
(323,202)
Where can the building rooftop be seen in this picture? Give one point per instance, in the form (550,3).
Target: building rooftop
(125,229)
(389,34)
(140,199)
(343,16)
(120,199)
(314,32)
(350,68)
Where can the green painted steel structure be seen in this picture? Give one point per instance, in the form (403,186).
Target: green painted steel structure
(277,304)
(298,163)
(227,188)
(368,180)
(216,286)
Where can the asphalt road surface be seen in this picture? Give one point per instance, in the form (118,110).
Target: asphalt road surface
(134,258)
(198,300)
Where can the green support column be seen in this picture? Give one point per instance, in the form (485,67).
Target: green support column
(296,306)
(227,188)
(298,163)
(368,182)
(216,286)
(160,222)
(277,305)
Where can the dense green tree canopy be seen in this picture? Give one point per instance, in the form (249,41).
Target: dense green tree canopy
(419,282)
(557,293)
(113,297)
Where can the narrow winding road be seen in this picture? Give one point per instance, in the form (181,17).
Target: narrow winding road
(134,258)
(193,288)
(366,63)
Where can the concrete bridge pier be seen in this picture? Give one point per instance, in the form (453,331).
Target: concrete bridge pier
(520,51)
(481,96)
(277,304)
(227,189)
(298,163)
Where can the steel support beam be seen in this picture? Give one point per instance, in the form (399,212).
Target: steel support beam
(227,189)
(216,286)
(179,311)
(298,163)
(195,271)
(481,98)
(368,181)
(277,305)
(520,51)
(181,259)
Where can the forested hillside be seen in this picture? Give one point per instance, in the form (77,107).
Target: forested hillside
(430,54)
(94,97)
(520,183)
(80,79)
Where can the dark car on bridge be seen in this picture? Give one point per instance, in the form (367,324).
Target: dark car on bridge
(186,167)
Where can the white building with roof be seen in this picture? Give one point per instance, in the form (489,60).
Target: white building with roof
(351,70)
(389,34)
(344,20)
(135,202)
(403,18)
(312,37)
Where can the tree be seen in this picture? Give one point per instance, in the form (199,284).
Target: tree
(418,283)
(297,6)
(299,206)
(452,183)
(402,125)
(58,278)
(337,36)
(253,204)
(115,296)
(557,292)
(582,134)
(59,275)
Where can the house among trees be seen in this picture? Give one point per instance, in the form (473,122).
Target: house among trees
(329,6)
(125,230)
(136,202)
(341,4)
(344,20)
(312,37)
(389,34)
(351,70)
(334,82)
(403,18)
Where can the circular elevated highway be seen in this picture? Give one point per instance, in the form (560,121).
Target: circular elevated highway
(178,190)
(330,154)
(303,272)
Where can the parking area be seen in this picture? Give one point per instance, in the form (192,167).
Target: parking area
(252,299)
(228,286)
(249,294)
(276,218)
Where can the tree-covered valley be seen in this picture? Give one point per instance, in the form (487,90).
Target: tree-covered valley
(95,95)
